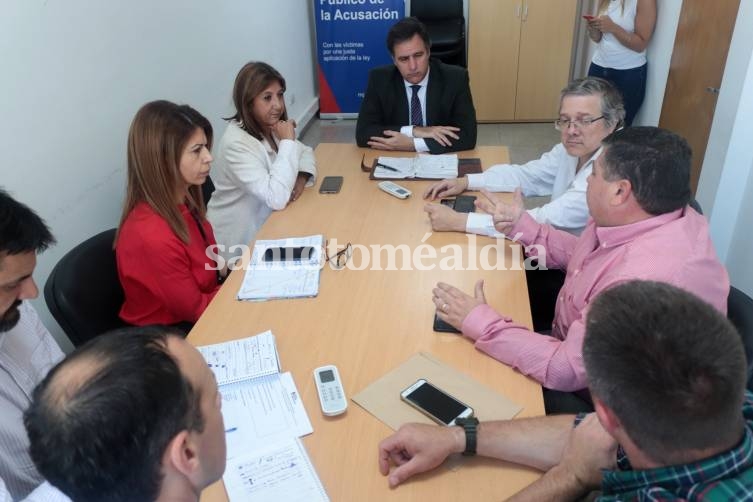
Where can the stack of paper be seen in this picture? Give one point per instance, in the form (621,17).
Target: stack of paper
(281,472)
(265,280)
(264,417)
(421,166)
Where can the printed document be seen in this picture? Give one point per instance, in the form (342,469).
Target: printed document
(265,280)
(264,419)
(280,472)
(259,404)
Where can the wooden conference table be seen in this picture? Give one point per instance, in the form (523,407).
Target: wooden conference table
(366,322)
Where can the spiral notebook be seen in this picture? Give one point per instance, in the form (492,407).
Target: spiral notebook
(244,359)
(264,418)
(260,405)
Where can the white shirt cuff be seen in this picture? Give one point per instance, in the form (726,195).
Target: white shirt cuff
(407,130)
(420,145)
(482,224)
(475,181)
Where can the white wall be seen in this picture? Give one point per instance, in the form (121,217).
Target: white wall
(726,184)
(74,72)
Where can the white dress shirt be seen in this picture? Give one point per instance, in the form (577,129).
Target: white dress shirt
(553,174)
(27,352)
(418,143)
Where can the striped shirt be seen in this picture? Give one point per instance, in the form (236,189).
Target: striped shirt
(724,477)
(43,493)
(27,352)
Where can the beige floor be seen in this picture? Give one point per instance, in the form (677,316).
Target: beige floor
(525,141)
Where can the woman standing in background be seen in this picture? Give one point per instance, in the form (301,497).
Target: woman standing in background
(622,29)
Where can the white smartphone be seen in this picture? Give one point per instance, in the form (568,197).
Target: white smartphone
(435,403)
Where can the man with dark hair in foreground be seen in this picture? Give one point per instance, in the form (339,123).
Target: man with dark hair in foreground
(27,350)
(668,393)
(131,415)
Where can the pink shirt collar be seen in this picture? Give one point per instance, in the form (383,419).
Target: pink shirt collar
(609,237)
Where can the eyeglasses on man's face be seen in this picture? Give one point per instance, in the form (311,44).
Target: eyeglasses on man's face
(563,124)
(339,259)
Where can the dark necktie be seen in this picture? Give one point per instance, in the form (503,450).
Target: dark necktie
(416,117)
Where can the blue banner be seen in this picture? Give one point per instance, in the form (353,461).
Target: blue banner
(350,40)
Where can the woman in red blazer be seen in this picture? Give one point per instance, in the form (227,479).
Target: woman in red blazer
(164,264)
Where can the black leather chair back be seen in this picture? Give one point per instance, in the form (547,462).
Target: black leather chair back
(83,291)
(207,189)
(740,312)
(446,27)
(435,10)
(695,205)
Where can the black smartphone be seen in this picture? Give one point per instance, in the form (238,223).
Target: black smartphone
(289,254)
(443,327)
(331,184)
(435,403)
(448,202)
(464,204)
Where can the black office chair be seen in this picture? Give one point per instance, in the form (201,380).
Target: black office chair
(207,189)
(740,313)
(83,291)
(446,26)
(695,205)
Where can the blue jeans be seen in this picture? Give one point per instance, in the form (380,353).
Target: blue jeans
(631,84)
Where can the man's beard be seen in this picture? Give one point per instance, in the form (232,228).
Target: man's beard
(10,318)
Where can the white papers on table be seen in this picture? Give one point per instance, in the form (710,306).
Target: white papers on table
(421,166)
(283,279)
(262,411)
(264,417)
(242,359)
(259,405)
(279,472)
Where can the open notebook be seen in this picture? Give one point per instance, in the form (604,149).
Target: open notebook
(264,417)
(435,167)
(266,280)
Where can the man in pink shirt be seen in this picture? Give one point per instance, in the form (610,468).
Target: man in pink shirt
(641,227)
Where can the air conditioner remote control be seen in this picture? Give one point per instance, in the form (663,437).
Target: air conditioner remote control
(395,190)
(331,392)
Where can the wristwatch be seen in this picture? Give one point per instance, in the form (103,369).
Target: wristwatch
(470,426)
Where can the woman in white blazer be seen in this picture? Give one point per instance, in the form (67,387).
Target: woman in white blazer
(259,166)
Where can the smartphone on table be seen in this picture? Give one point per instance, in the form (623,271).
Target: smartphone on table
(441,326)
(461,203)
(435,403)
(297,253)
(331,184)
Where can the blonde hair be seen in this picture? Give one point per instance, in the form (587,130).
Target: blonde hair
(604,4)
(156,140)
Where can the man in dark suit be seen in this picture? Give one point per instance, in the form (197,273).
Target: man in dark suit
(416,104)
